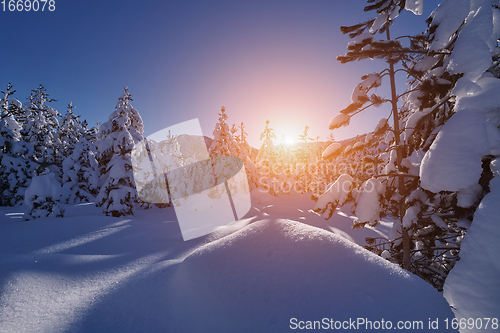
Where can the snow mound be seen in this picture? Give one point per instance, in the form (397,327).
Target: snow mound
(260,277)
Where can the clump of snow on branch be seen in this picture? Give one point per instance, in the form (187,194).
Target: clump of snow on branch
(336,194)
(364,38)
(453,162)
(331,149)
(448,17)
(339,121)
(425,64)
(415,6)
(368,203)
(483,95)
(473,47)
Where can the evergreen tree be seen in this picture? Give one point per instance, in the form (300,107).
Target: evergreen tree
(118,135)
(224,143)
(461,56)
(152,161)
(426,234)
(42,196)
(304,137)
(242,142)
(266,160)
(91,134)
(80,178)
(71,131)
(330,138)
(388,191)
(40,129)
(15,166)
(267,150)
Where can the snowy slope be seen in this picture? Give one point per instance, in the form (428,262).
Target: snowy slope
(90,273)
(259,278)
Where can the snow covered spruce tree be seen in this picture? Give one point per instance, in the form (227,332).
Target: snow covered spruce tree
(224,142)
(118,136)
(459,171)
(40,129)
(458,50)
(246,153)
(71,130)
(305,171)
(266,160)
(166,155)
(15,165)
(431,226)
(227,143)
(305,149)
(79,179)
(388,191)
(242,141)
(42,196)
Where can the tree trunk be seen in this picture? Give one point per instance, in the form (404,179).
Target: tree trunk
(399,158)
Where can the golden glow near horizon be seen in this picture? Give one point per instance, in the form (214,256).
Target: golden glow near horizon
(289,139)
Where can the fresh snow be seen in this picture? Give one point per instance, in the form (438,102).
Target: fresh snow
(472,52)
(449,15)
(426,64)
(41,189)
(472,285)
(368,205)
(331,149)
(339,121)
(381,123)
(415,6)
(469,196)
(484,95)
(335,195)
(453,162)
(379,22)
(260,277)
(87,272)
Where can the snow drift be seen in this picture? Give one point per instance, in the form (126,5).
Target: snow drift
(260,277)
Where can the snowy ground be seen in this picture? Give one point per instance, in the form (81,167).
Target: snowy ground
(90,273)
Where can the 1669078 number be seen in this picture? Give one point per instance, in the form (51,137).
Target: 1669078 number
(28,5)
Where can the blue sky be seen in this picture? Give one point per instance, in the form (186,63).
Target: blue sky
(181,60)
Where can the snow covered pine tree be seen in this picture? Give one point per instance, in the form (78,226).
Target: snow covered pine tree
(15,165)
(42,196)
(40,129)
(224,143)
(118,136)
(460,169)
(266,159)
(79,166)
(432,225)
(365,45)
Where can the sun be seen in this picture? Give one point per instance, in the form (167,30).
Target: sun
(288,140)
